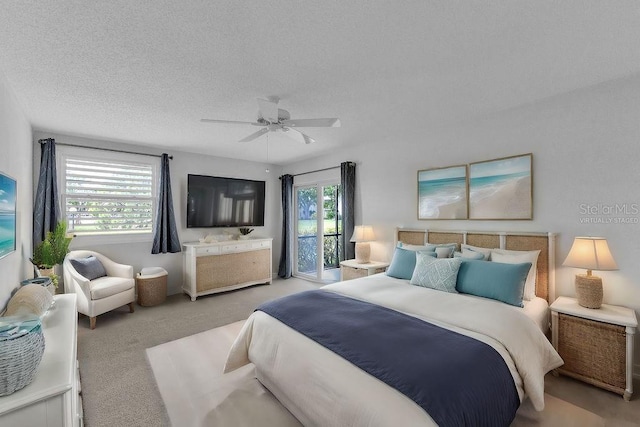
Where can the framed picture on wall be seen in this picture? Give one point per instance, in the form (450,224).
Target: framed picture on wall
(501,188)
(7,215)
(442,193)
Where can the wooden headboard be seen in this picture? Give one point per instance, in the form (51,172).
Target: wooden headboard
(516,241)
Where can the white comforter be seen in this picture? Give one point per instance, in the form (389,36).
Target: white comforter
(321,388)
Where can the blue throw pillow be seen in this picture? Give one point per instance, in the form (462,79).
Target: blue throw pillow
(89,267)
(495,280)
(402,264)
(466,253)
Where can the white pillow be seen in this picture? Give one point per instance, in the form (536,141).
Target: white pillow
(415,247)
(518,257)
(486,252)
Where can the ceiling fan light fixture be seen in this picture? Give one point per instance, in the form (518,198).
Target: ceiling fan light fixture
(273,119)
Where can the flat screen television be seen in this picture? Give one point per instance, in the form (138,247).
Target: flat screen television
(214,201)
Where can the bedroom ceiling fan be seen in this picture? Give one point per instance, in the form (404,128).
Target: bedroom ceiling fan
(273,119)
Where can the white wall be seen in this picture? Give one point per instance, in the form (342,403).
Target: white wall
(15,161)
(139,254)
(586,151)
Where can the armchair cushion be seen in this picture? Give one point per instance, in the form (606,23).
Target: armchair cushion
(89,267)
(106,286)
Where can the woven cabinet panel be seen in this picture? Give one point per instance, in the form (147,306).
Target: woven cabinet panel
(440,238)
(411,237)
(593,349)
(218,271)
(349,273)
(533,243)
(483,240)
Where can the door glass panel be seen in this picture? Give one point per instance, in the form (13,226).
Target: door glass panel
(307,224)
(332,226)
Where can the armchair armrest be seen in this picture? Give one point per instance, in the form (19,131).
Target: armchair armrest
(74,278)
(117,270)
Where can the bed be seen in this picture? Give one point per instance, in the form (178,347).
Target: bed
(340,387)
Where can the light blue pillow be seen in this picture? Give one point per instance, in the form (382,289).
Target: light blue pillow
(433,246)
(469,254)
(444,251)
(434,273)
(402,264)
(495,280)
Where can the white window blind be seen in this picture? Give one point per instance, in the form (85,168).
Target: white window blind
(108,196)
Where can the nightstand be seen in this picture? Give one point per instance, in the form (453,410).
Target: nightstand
(595,344)
(350,269)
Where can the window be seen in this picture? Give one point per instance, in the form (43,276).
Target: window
(108,195)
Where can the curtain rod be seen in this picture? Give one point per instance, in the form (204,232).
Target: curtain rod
(106,149)
(317,170)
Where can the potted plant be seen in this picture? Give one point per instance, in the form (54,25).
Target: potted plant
(51,252)
(244,233)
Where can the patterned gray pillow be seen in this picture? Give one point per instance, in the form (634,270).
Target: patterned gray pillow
(89,267)
(436,273)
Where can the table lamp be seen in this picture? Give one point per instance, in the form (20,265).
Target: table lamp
(362,235)
(591,253)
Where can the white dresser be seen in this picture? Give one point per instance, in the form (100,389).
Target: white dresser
(53,398)
(223,266)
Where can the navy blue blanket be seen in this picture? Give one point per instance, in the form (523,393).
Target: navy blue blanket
(457,380)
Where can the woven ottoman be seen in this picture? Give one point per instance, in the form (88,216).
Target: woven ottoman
(151,286)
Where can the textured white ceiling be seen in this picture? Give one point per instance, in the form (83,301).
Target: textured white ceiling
(147,71)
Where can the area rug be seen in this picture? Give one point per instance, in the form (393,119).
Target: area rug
(195,392)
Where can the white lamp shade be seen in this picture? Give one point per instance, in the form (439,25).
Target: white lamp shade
(362,233)
(591,253)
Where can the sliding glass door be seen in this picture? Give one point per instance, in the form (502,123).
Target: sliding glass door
(318,230)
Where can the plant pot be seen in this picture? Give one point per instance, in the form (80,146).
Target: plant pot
(48,272)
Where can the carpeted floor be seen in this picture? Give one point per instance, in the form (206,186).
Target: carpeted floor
(118,385)
(118,388)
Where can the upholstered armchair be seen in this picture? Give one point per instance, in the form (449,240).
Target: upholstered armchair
(100,283)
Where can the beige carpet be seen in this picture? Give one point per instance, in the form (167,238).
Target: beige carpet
(189,375)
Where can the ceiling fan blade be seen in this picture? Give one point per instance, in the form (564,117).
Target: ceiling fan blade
(307,138)
(255,135)
(231,122)
(268,110)
(317,123)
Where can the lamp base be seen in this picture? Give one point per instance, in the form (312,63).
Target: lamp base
(589,290)
(363,252)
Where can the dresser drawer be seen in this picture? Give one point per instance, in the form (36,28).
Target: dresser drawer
(208,250)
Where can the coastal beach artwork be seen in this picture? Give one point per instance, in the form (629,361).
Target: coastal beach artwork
(7,215)
(501,188)
(442,193)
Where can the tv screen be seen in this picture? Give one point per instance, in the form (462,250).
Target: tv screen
(214,201)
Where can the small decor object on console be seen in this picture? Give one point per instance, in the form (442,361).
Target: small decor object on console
(362,235)
(244,233)
(21,349)
(591,253)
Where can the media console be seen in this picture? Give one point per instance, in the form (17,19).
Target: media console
(224,266)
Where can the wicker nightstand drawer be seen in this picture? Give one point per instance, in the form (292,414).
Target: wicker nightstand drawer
(593,350)
(350,269)
(595,344)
